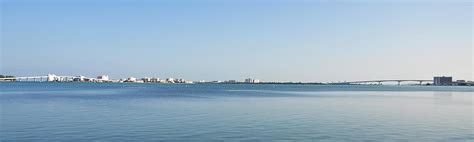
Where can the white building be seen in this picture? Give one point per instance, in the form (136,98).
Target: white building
(52,77)
(146,79)
(103,77)
(131,79)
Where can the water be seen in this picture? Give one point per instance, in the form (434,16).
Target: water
(218,112)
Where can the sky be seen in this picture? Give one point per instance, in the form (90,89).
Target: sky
(278,40)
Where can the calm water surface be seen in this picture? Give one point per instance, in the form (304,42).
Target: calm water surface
(205,112)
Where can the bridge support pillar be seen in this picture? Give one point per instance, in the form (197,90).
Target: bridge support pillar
(399,82)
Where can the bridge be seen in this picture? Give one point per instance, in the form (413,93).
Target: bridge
(379,82)
(7,79)
(46,78)
(50,78)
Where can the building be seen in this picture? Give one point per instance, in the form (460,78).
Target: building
(250,80)
(151,79)
(103,78)
(230,81)
(256,81)
(79,78)
(163,81)
(170,80)
(90,80)
(470,83)
(155,79)
(146,79)
(52,77)
(461,83)
(443,81)
(131,79)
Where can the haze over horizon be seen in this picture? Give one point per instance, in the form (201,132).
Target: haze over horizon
(309,41)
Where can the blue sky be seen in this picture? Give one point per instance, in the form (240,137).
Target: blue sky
(298,40)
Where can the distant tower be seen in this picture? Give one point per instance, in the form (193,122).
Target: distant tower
(443,81)
(250,80)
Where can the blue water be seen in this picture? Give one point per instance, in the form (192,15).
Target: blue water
(219,112)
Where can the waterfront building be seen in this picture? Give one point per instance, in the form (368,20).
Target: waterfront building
(151,79)
(256,81)
(170,80)
(90,80)
(461,83)
(52,77)
(155,79)
(79,78)
(470,83)
(146,79)
(250,80)
(131,79)
(103,77)
(442,81)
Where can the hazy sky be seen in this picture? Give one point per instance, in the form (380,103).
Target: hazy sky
(280,40)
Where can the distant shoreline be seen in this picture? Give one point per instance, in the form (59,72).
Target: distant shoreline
(238,83)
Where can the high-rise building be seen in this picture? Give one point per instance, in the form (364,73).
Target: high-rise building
(170,80)
(146,79)
(250,80)
(442,81)
(155,79)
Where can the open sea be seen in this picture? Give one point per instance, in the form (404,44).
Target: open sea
(234,112)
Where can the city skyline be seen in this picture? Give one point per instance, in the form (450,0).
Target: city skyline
(317,41)
(437,80)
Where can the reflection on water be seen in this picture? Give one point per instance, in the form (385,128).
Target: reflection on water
(443,95)
(144,112)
